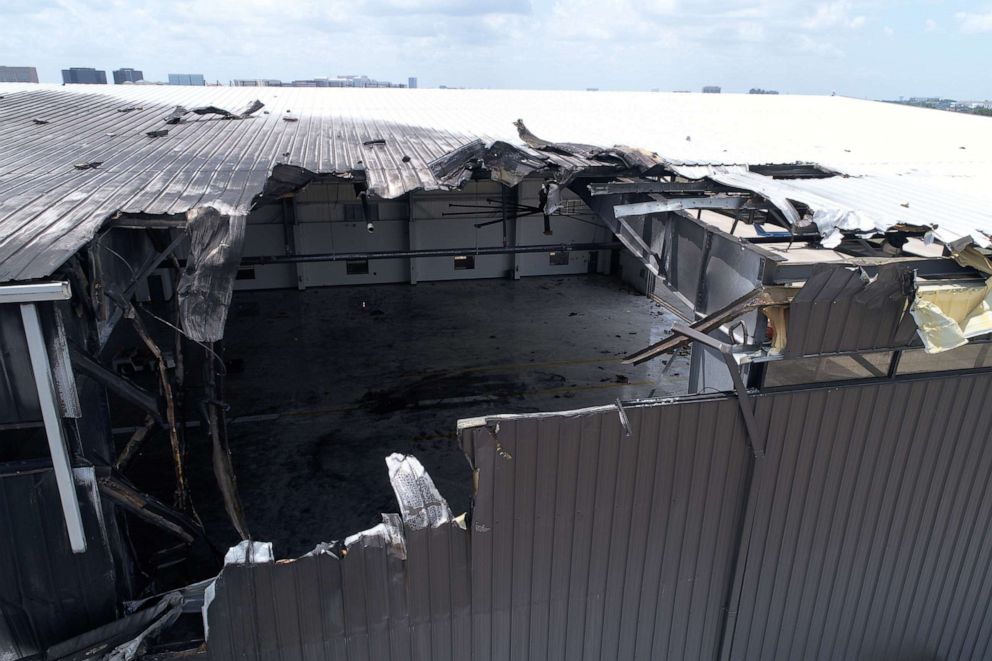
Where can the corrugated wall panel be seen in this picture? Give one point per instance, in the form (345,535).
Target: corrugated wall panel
(620,546)
(871,524)
(866,534)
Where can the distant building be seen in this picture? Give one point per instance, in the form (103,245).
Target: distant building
(260,82)
(340,81)
(122,76)
(186,79)
(84,76)
(712,89)
(411,82)
(758,90)
(18,75)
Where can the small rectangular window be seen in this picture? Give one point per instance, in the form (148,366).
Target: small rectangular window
(245,273)
(966,357)
(827,368)
(464,262)
(558,258)
(357,266)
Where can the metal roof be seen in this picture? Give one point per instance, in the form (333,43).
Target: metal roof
(49,208)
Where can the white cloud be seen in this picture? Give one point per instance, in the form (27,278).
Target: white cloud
(751,31)
(973,23)
(805,43)
(888,31)
(832,15)
(930,26)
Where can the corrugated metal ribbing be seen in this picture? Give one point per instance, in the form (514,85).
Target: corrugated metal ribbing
(369,605)
(867,535)
(839,309)
(589,544)
(872,525)
(49,208)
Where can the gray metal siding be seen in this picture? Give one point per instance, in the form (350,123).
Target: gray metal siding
(872,526)
(866,533)
(588,544)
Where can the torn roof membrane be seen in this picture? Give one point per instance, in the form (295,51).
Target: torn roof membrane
(863,205)
(390,137)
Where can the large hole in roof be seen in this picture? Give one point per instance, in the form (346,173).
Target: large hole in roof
(793,171)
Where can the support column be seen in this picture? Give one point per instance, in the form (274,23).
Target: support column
(411,238)
(53,427)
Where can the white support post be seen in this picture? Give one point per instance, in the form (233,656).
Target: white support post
(53,427)
(411,238)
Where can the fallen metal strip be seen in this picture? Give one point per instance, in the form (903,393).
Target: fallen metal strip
(681,204)
(753,300)
(624,187)
(53,427)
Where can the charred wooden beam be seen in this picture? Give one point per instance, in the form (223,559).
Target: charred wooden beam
(148,508)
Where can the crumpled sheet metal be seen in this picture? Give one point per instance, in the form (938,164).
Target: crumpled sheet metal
(123,639)
(399,590)
(207,282)
(421,504)
(248,552)
(388,534)
(863,205)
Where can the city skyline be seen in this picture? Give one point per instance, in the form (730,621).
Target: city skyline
(869,48)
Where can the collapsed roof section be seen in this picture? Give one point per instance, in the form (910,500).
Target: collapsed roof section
(141,157)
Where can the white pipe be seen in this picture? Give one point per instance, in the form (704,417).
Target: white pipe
(53,422)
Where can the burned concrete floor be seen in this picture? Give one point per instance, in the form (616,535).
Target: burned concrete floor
(324,383)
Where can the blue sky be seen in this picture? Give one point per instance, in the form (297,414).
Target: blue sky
(871,48)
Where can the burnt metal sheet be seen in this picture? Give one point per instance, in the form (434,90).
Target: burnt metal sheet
(207,282)
(48,593)
(842,309)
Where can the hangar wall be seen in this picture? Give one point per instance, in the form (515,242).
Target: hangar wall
(329,219)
